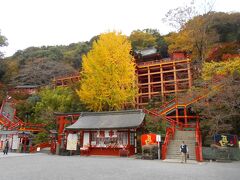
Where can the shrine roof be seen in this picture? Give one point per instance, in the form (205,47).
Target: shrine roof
(27,86)
(147,51)
(8,132)
(109,120)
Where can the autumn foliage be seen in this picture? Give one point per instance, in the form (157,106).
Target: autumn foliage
(108,75)
(223,68)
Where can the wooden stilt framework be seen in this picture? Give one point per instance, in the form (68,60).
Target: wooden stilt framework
(160,78)
(66,80)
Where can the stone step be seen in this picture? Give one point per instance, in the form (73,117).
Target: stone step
(177,146)
(185,141)
(172,157)
(189,139)
(179,153)
(190,150)
(179,133)
(178,149)
(185,132)
(184,138)
(180,142)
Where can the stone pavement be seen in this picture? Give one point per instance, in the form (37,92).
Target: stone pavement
(179,161)
(52,167)
(10,154)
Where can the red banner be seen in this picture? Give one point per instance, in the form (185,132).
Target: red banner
(148,139)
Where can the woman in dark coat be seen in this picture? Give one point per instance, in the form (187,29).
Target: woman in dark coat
(5,151)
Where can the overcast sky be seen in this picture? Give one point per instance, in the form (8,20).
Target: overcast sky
(28,23)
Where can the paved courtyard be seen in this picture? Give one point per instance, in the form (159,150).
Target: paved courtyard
(52,167)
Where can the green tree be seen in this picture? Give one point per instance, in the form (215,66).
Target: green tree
(155,124)
(142,39)
(108,76)
(3,42)
(61,99)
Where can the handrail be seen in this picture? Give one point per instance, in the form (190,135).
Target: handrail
(7,122)
(198,147)
(150,112)
(18,120)
(168,103)
(3,102)
(67,76)
(169,134)
(40,145)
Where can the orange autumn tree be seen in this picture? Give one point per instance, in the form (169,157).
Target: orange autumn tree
(108,75)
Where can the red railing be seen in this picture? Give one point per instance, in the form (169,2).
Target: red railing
(41,146)
(169,135)
(3,102)
(19,121)
(198,147)
(164,108)
(5,121)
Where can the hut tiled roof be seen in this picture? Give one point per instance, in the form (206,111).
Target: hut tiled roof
(108,120)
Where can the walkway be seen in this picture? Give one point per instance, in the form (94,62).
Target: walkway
(52,167)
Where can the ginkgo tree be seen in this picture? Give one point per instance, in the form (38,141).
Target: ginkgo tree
(108,74)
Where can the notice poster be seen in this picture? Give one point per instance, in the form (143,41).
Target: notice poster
(72,142)
(15,142)
(226,140)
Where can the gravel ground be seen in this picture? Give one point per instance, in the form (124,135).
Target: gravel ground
(52,167)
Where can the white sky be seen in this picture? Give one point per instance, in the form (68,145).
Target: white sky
(28,23)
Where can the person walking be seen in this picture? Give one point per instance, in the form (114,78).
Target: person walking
(184,151)
(5,151)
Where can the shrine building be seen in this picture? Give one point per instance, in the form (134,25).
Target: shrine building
(107,133)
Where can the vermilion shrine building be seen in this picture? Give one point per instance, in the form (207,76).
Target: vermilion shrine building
(107,133)
(28,89)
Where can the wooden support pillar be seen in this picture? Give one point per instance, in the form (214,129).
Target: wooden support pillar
(161,76)
(149,85)
(189,74)
(135,141)
(177,119)
(24,144)
(61,123)
(139,91)
(197,119)
(185,115)
(175,79)
(128,137)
